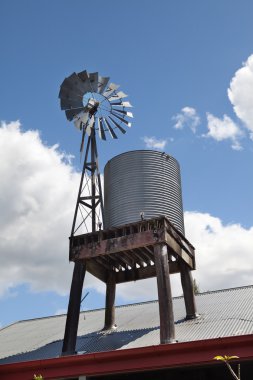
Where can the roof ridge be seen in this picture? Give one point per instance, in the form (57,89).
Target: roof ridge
(126,305)
(224,290)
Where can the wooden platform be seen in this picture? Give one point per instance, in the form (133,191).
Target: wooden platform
(129,250)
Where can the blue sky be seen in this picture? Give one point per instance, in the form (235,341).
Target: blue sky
(176,60)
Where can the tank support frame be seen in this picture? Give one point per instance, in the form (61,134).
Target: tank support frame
(140,250)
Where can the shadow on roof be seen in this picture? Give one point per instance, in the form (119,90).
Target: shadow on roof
(89,343)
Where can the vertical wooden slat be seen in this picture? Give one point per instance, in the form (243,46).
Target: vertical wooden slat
(110,301)
(167,327)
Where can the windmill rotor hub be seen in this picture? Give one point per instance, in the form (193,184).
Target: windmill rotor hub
(93,106)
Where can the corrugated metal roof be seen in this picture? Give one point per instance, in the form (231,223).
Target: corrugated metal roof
(222,313)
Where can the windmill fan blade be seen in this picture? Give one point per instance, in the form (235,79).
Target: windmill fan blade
(117,125)
(111,131)
(84,76)
(71,84)
(93,79)
(66,93)
(102,83)
(69,104)
(101,129)
(70,114)
(118,95)
(80,85)
(129,114)
(121,119)
(112,88)
(121,104)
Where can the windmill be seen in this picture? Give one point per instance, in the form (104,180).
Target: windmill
(95,106)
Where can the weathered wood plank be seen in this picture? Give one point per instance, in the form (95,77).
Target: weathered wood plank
(115,245)
(131,258)
(116,262)
(143,255)
(176,248)
(135,243)
(119,257)
(135,257)
(123,257)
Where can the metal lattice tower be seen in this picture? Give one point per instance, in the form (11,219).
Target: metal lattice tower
(95,106)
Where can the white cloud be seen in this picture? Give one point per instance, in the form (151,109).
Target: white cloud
(223,258)
(240,93)
(224,129)
(224,252)
(187,117)
(37,199)
(154,143)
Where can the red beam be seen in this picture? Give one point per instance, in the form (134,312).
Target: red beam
(132,360)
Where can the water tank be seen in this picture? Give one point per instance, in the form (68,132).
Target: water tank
(142,181)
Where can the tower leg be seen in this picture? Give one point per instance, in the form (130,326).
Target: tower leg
(69,342)
(188,290)
(110,301)
(167,327)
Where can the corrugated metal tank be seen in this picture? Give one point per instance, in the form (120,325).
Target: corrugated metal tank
(142,181)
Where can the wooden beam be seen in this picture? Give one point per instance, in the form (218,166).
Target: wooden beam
(114,245)
(175,246)
(150,250)
(71,327)
(167,327)
(188,290)
(135,257)
(114,262)
(119,257)
(127,263)
(143,255)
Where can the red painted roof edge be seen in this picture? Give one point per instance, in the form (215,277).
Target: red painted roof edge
(132,360)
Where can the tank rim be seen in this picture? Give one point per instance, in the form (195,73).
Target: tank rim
(143,150)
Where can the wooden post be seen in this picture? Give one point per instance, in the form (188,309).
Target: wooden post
(188,290)
(69,342)
(167,327)
(110,301)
